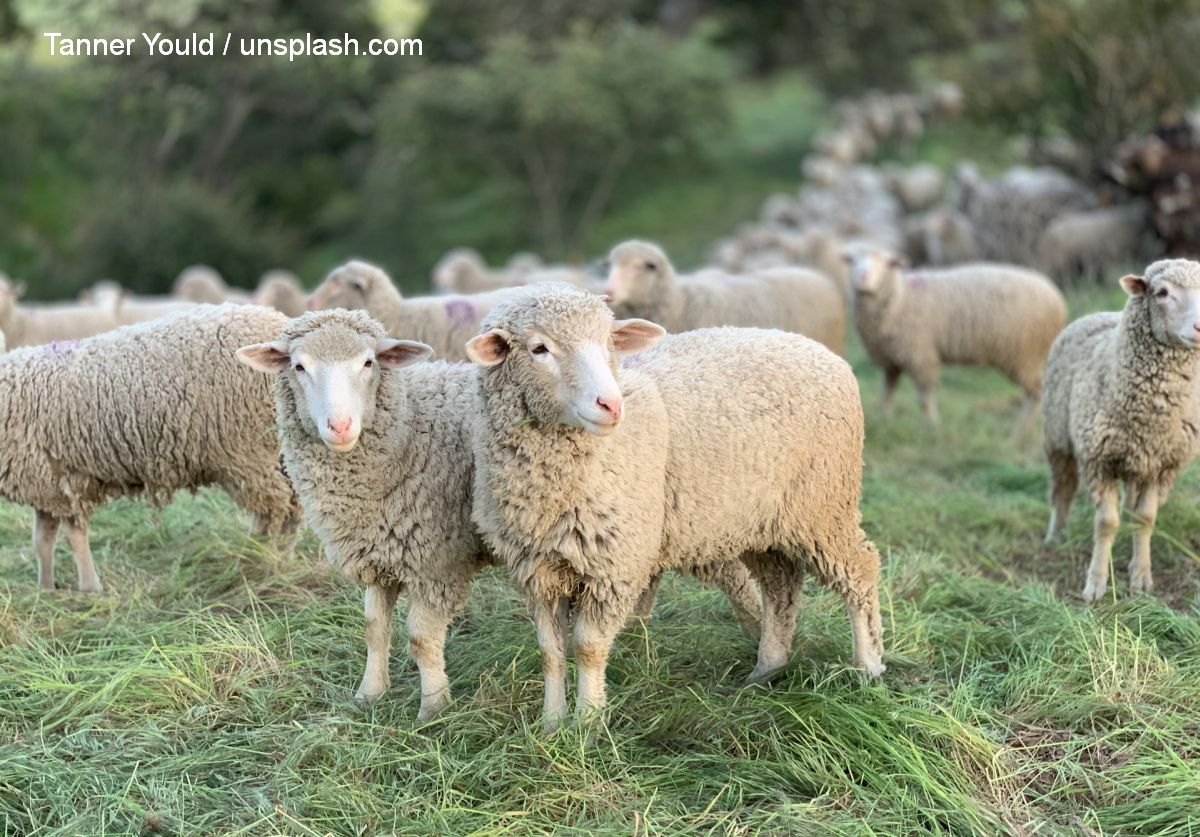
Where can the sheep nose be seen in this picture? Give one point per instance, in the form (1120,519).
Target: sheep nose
(340,427)
(611,405)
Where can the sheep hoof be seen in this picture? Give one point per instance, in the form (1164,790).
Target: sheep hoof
(551,723)
(430,709)
(762,676)
(1141,583)
(366,697)
(92,586)
(1093,593)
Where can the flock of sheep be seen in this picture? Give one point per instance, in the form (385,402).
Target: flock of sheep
(589,432)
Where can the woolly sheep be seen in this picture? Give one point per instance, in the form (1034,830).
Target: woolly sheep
(1121,405)
(918,187)
(201,283)
(979,314)
(445,323)
(33,324)
(143,410)
(949,238)
(383,464)
(586,487)
(1086,243)
(463,271)
(281,290)
(643,283)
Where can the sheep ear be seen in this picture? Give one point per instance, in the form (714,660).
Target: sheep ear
(630,336)
(1134,285)
(397,353)
(489,348)
(359,283)
(266,357)
(846,256)
(896,260)
(18,290)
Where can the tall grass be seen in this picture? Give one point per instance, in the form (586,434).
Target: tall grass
(208,690)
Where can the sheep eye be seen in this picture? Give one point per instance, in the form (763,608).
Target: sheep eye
(1162,293)
(367,364)
(299,367)
(539,349)
(651,266)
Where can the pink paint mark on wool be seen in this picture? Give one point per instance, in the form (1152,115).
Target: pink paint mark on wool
(460,313)
(60,348)
(916,280)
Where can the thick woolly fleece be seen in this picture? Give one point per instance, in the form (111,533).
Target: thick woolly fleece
(27,324)
(396,510)
(718,429)
(445,323)
(787,298)
(144,410)
(980,314)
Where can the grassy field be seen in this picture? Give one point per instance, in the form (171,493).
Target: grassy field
(208,691)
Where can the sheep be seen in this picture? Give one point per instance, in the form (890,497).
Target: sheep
(463,271)
(918,187)
(281,290)
(33,324)
(1086,243)
(1120,406)
(3,343)
(586,487)
(981,314)
(643,283)
(202,284)
(383,464)
(445,323)
(949,238)
(143,410)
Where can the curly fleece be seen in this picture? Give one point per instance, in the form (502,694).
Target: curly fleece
(144,410)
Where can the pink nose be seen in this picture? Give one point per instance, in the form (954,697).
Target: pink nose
(340,427)
(610,405)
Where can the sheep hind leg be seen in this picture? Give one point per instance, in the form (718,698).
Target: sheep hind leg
(78,536)
(1107,521)
(926,377)
(550,620)
(891,379)
(867,631)
(1025,420)
(645,603)
(379,605)
(427,626)
(45,532)
(1144,503)
(735,581)
(1064,481)
(781,581)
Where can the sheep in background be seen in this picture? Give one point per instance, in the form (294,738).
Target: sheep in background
(33,324)
(643,283)
(145,410)
(918,187)
(1085,244)
(202,284)
(586,487)
(281,290)
(993,315)
(444,322)
(1121,404)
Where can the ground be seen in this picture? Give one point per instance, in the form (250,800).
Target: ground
(208,690)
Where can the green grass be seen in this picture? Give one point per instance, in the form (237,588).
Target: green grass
(208,691)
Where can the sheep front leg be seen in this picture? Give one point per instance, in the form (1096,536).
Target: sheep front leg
(78,536)
(1107,521)
(550,620)
(1064,481)
(379,605)
(926,377)
(595,630)
(45,531)
(891,378)
(427,628)
(1145,510)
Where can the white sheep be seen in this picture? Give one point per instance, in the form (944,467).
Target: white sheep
(1087,243)
(445,323)
(1121,406)
(143,410)
(643,283)
(704,452)
(918,187)
(281,290)
(993,315)
(383,465)
(33,324)
(203,284)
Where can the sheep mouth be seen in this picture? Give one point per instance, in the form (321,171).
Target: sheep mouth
(341,447)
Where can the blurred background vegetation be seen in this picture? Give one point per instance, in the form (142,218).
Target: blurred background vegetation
(556,127)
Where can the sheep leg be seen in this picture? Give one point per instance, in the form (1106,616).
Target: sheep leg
(550,620)
(45,531)
(1025,420)
(891,379)
(735,581)
(782,583)
(427,626)
(85,568)
(595,631)
(1064,481)
(379,605)
(1145,510)
(867,631)
(645,603)
(1107,521)
(926,377)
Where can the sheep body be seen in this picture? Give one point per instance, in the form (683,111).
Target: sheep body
(203,284)
(790,299)
(281,290)
(976,314)
(1121,400)
(1088,242)
(141,411)
(34,324)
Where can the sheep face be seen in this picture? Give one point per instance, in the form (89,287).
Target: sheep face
(873,272)
(333,373)
(561,361)
(639,275)
(1170,290)
(349,286)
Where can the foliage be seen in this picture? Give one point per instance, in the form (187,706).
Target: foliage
(555,128)
(209,693)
